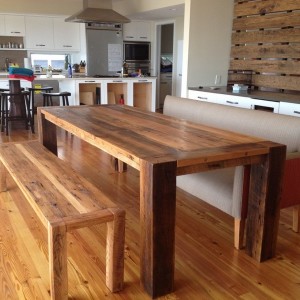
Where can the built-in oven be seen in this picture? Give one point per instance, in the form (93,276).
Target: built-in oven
(137,56)
(136,52)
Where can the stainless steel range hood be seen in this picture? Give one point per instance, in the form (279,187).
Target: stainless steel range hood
(97,15)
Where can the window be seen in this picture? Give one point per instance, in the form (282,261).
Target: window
(56,61)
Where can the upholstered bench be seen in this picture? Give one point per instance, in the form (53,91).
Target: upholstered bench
(227,189)
(64,201)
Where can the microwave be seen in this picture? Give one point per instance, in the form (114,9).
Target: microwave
(136,51)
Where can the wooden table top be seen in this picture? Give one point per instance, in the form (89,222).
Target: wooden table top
(131,134)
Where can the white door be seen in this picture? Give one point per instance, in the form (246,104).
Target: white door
(179,68)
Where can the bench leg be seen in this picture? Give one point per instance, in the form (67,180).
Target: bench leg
(239,230)
(115,251)
(57,245)
(3,174)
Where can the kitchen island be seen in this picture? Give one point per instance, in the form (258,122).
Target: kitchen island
(137,91)
(283,103)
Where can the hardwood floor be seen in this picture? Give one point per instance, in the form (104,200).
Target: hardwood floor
(207,265)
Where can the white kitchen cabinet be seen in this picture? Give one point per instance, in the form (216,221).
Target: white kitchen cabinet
(66,35)
(292,109)
(2,24)
(137,92)
(14,25)
(137,31)
(143,93)
(206,96)
(271,106)
(39,33)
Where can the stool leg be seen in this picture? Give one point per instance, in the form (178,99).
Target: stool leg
(67,100)
(6,114)
(32,110)
(57,245)
(2,113)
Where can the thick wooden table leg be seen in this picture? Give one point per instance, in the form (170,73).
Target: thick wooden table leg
(264,205)
(57,244)
(157,217)
(47,132)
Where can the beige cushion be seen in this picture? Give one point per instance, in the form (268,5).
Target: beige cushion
(223,188)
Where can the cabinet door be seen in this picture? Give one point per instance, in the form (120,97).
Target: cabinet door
(291,109)
(271,106)
(66,35)
(14,25)
(206,96)
(137,31)
(2,25)
(237,101)
(39,33)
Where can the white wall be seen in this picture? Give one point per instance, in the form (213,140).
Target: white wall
(207,41)
(127,7)
(50,7)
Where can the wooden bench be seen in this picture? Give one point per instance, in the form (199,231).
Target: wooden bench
(64,201)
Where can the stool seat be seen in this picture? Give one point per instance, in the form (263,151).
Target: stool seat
(47,98)
(45,88)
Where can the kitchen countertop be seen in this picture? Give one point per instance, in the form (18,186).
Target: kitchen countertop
(78,76)
(254,94)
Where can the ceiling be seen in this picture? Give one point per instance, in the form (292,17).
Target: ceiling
(159,14)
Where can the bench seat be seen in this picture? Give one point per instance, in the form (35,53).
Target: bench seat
(64,201)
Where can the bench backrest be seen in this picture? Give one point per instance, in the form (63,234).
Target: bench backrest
(271,126)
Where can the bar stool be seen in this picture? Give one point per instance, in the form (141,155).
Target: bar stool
(46,89)
(5,97)
(47,98)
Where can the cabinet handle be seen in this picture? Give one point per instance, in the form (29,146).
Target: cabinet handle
(67,46)
(117,80)
(296,112)
(40,45)
(232,102)
(89,81)
(143,37)
(203,98)
(142,80)
(129,37)
(15,32)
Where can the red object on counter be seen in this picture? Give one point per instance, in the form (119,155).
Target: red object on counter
(121,101)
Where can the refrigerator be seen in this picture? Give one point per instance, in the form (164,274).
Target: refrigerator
(104,50)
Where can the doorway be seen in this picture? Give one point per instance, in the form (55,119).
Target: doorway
(165,61)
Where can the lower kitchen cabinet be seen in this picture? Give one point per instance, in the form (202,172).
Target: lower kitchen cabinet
(271,106)
(237,101)
(292,109)
(137,92)
(144,94)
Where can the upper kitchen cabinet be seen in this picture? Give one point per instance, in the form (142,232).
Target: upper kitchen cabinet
(11,25)
(137,31)
(2,25)
(39,33)
(66,35)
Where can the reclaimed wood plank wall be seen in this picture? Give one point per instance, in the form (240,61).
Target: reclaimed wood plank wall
(266,43)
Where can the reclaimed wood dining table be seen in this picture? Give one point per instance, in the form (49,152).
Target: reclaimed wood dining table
(162,147)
